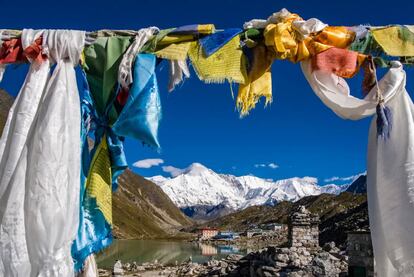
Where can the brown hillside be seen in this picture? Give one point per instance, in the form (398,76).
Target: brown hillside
(6,101)
(142,210)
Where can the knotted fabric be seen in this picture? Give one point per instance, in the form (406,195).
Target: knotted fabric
(102,166)
(94,233)
(39,167)
(17,51)
(295,40)
(390,164)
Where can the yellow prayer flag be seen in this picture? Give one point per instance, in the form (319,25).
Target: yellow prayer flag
(227,63)
(174,51)
(99,182)
(392,41)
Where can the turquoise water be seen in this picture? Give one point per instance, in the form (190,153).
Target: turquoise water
(166,252)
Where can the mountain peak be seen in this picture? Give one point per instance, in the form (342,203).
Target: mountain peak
(195,169)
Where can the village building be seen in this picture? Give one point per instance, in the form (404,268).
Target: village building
(208,233)
(226,235)
(274,227)
(254,232)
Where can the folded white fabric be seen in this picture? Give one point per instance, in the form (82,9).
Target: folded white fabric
(302,27)
(39,165)
(307,27)
(274,18)
(390,163)
(125,68)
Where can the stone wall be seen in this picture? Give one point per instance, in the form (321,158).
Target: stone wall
(304,229)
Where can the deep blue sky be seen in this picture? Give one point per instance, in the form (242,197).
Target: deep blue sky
(200,123)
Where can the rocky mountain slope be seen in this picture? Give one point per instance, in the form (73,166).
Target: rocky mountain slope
(204,194)
(6,101)
(338,214)
(359,185)
(142,210)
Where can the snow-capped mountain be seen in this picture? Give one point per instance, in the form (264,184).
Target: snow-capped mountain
(202,193)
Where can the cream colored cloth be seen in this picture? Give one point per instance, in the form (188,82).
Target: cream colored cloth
(178,70)
(390,164)
(39,164)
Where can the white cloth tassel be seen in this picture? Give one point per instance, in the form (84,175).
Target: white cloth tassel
(39,165)
(90,268)
(125,68)
(390,166)
(2,70)
(2,66)
(177,69)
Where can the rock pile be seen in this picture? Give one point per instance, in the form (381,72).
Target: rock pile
(224,267)
(118,271)
(274,261)
(304,229)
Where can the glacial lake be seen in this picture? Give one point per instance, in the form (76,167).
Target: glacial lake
(166,252)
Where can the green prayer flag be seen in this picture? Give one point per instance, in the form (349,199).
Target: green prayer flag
(102,60)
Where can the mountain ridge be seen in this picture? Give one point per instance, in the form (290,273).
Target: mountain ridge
(204,194)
